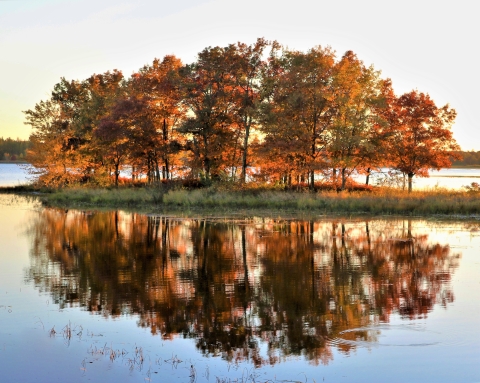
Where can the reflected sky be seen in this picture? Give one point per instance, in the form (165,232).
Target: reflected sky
(14,174)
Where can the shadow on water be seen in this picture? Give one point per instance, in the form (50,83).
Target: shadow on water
(299,287)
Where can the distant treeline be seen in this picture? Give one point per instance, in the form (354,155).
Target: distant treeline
(13,150)
(260,112)
(470,158)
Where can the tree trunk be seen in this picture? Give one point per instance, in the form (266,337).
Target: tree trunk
(149,170)
(206,157)
(167,168)
(165,156)
(117,173)
(368,176)
(344,179)
(410,179)
(157,171)
(243,176)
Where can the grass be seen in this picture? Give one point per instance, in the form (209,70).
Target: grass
(225,200)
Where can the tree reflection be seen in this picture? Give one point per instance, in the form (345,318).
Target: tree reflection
(300,287)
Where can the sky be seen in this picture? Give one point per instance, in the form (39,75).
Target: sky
(425,45)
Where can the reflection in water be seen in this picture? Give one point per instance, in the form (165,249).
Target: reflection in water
(298,287)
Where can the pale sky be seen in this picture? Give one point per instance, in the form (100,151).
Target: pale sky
(424,45)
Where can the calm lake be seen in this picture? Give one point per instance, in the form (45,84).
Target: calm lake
(124,297)
(15,174)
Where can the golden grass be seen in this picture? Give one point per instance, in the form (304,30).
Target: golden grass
(380,201)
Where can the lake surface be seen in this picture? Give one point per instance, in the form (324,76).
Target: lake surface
(15,174)
(125,297)
(454,178)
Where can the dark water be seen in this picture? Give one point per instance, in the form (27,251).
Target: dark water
(115,296)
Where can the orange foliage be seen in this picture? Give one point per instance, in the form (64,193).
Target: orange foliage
(239,113)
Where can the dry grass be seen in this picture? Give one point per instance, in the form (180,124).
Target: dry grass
(388,201)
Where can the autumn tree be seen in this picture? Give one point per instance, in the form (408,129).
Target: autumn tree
(48,154)
(376,155)
(421,135)
(115,132)
(157,86)
(248,66)
(299,110)
(55,142)
(207,90)
(289,113)
(62,148)
(357,94)
(102,92)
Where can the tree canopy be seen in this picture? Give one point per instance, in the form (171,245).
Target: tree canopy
(241,112)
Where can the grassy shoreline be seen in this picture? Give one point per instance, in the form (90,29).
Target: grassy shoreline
(223,201)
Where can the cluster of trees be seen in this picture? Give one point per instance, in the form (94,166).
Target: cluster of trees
(241,112)
(470,158)
(229,286)
(13,150)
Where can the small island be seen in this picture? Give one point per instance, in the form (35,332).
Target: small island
(245,127)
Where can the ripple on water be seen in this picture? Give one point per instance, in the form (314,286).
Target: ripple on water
(387,335)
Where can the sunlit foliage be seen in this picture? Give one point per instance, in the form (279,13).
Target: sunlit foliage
(241,113)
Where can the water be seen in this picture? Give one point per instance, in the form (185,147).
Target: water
(454,178)
(116,296)
(13,174)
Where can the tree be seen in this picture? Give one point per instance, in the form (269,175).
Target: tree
(207,93)
(293,114)
(52,151)
(299,111)
(421,136)
(248,65)
(376,154)
(114,133)
(102,92)
(357,96)
(157,86)
(62,148)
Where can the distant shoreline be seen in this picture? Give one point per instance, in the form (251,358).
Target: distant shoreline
(14,162)
(464,167)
